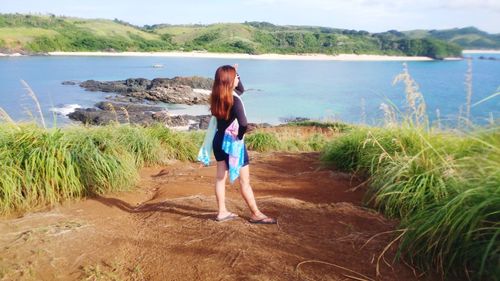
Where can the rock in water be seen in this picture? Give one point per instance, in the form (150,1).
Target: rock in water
(180,90)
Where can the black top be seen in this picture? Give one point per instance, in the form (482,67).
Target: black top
(237,111)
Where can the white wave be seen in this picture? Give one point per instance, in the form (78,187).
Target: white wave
(65,109)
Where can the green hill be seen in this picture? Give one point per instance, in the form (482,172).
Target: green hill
(49,33)
(262,37)
(44,33)
(467,38)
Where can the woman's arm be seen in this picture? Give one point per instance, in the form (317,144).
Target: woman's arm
(239,112)
(239,89)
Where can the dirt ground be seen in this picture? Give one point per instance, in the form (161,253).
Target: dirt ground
(165,230)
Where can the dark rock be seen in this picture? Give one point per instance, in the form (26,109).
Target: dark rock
(195,82)
(108,87)
(199,122)
(109,112)
(204,121)
(169,120)
(104,117)
(70,82)
(173,94)
(176,90)
(294,119)
(253,126)
(488,58)
(130,107)
(137,84)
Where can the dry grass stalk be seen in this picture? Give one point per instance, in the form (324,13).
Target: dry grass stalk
(364,277)
(438,117)
(111,108)
(363,111)
(387,248)
(414,99)
(127,116)
(468,88)
(390,119)
(5,116)
(32,95)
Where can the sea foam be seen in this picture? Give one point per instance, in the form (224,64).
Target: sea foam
(65,109)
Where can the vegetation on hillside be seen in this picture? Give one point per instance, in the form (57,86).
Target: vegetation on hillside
(467,38)
(36,33)
(50,33)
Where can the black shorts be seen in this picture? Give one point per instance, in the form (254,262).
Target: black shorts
(220,155)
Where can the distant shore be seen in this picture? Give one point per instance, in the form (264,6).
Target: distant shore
(481,51)
(317,57)
(341,57)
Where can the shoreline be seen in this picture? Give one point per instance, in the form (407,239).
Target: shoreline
(304,57)
(317,57)
(481,52)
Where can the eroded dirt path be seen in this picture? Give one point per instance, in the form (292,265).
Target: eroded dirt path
(164,230)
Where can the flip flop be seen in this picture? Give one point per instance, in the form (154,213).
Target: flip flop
(229,217)
(266,220)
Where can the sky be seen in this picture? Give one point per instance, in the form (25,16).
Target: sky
(369,15)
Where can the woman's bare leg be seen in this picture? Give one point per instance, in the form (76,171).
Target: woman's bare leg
(246,190)
(220,189)
(247,193)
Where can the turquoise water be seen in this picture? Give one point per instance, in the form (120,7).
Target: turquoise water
(278,89)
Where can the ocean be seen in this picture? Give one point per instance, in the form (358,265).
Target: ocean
(277,90)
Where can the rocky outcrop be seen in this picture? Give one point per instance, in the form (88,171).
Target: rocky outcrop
(108,112)
(180,90)
(130,104)
(489,58)
(181,94)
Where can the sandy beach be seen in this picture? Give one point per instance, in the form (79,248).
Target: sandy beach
(481,51)
(11,55)
(322,57)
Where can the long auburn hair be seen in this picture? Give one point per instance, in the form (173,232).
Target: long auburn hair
(221,99)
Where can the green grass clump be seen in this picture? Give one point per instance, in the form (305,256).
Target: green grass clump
(11,178)
(459,234)
(307,137)
(334,126)
(103,164)
(146,149)
(41,167)
(36,168)
(444,187)
(262,141)
(183,146)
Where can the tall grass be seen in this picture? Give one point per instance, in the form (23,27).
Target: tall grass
(443,185)
(177,145)
(40,167)
(262,141)
(460,234)
(294,137)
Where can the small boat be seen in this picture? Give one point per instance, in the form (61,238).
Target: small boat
(157,65)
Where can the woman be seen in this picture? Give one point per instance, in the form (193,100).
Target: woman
(227,106)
